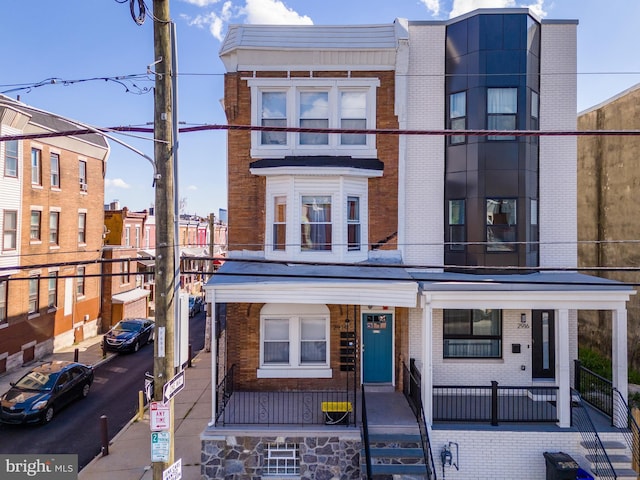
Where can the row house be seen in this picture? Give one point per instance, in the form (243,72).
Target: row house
(51,197)
(382,262)
(127,284)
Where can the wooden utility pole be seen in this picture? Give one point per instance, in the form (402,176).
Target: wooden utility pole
(165,268)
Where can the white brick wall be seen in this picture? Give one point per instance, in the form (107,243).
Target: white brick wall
(422,221)
(503,455)
(558,155)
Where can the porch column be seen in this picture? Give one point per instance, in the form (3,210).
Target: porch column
(619,365)
(214,355)
(563,369)
(427,361)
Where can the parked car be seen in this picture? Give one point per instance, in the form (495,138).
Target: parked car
(129,335)
(196,304)
(44,390)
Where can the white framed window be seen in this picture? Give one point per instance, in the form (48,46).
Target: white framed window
(137,245)
(346,103)
(321,221)
(52,290)
(127,236)
(34,294)
(54,224)
(36,226)
(281,460)
(54,161)
(82,175)
(315,223)
(279,222)
(36,166)
(82,228)
(10,230)
(294,341)
(11,157)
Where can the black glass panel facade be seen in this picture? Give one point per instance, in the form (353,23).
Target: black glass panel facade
(502,52)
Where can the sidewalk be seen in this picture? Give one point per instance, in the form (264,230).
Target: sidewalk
(130,450)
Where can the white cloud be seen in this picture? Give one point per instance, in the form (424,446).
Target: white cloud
(432,5)
(201,3)
(116,183)
(192,187)
(461,7)
(215,22)
(273,12)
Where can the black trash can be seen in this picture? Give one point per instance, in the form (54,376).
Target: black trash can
(560,466)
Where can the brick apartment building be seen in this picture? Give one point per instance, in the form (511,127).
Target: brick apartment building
(51,198)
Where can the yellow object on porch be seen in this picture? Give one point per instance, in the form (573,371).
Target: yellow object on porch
(336,407)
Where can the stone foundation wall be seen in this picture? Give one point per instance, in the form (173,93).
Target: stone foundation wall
(243,457)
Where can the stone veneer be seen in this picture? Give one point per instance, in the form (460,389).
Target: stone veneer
(242,457)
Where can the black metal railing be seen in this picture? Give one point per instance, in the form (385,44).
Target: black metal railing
(285,408)
(622,415)
(365,430)
(594,389)
(494,403)
(412,381)
(581,420)
(224,390)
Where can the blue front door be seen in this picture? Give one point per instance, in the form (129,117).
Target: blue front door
(377,346)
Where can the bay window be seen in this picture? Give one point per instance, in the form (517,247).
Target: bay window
(472,333)
(501,225)
(353,223)
(315,225)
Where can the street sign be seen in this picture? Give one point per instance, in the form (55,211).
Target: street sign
(160,446)
(159,416)
(174,472)
(173,386)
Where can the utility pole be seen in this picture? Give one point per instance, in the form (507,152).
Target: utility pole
(165,268)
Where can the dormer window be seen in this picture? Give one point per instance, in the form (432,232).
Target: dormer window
(345,103)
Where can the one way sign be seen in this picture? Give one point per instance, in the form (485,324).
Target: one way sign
(173,387)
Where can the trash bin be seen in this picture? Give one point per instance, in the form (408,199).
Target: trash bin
(583,475)
(560,466)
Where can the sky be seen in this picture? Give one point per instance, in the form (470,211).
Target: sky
(88,61)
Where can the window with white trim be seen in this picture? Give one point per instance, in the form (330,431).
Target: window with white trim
(280,222)
(52,290)
(11,156)
(281,460)
(35,229)
(82,228)
(54,161)
(36,167)
(54,223)
(82,175)
(294,337)
(353,223)
(315,223)
(80,281)
(34,294)
(10,230)
(313,103)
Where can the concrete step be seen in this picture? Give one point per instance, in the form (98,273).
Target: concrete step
(398,469)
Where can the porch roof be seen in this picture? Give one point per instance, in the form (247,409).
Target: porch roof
(262,281)
(534,290)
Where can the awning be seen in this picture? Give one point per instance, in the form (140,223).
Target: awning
(130,296)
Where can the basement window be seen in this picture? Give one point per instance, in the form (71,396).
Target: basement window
(281,460)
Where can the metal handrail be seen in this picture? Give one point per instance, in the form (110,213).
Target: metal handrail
(365,429)
(224,390)
(603,467)
(631,432)
(412,389)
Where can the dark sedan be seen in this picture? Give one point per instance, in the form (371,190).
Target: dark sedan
(129,335)
(44,390)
